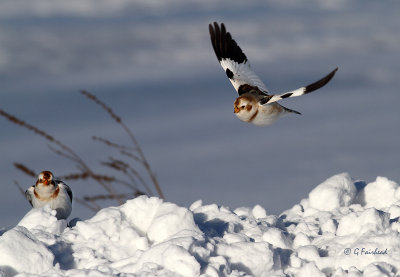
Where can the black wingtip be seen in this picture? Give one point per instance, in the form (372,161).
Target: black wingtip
(320,83)
(225,47)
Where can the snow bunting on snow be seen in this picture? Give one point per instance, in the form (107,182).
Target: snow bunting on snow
(254,104)
(53,192)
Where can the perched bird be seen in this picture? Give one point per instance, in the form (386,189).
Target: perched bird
(53,192)
(254,104)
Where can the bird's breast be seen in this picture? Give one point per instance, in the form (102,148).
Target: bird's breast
(43,197)
(267,114)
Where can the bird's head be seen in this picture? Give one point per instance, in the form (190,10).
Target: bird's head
(45,178)
(245,107)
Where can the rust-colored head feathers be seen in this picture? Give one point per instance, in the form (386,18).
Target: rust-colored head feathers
(45,178)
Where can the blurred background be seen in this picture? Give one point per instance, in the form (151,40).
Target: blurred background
(152,62)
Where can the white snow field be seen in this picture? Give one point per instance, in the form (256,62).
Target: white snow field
(344,228)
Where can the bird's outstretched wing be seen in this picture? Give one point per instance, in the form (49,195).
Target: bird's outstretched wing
(300,91)
(234,61)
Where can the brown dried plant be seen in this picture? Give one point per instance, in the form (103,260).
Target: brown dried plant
(131,176)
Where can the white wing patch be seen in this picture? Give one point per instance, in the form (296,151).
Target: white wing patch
(242,75)
(29,194)
(233,60)
(66,188)
(303,90)
(237,68)
(293,93)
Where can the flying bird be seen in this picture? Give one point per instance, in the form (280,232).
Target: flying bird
(254,104)
(48,190)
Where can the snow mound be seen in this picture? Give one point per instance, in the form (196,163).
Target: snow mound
(337,191)
(344,228)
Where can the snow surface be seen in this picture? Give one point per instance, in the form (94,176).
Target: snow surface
(151,237)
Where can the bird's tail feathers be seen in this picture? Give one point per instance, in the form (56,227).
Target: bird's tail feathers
(290,111)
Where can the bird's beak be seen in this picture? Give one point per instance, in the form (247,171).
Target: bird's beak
(236,110)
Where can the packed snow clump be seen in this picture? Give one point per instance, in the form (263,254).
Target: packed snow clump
(344,228)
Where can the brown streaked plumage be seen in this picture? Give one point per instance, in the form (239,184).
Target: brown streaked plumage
(253,116)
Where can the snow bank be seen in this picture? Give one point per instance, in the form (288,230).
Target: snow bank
(344,228)
(338,191)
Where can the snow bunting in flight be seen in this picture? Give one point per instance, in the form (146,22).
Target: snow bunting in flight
(53,192)
(254,104)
